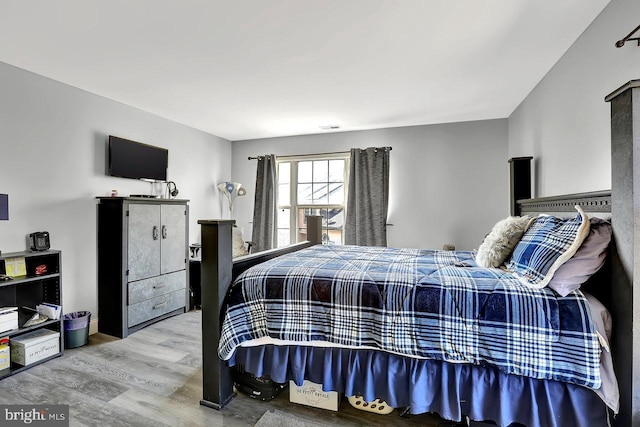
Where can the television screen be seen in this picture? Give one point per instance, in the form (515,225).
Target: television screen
(131,159)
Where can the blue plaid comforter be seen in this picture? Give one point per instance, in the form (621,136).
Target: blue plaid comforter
(419,303)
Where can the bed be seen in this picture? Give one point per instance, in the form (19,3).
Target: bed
(434,319)
(490,387)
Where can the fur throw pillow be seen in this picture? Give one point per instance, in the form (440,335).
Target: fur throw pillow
(499,243)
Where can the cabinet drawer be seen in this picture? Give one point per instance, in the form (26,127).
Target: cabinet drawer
(154,307)
(142,290)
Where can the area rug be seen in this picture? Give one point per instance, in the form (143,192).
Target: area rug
(275,418)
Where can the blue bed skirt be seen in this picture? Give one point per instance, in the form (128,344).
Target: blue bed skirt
(448,389)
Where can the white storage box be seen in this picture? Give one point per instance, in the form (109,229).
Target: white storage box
(311,394)
(8,321)
(33,346)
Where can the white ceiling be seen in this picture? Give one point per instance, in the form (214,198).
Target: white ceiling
(244,69)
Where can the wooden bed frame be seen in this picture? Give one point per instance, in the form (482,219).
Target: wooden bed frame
(617,292)
(218,271)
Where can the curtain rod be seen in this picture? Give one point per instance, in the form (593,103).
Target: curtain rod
(621,43)
(313,154)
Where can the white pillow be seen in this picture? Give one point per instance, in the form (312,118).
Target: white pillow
(499,243)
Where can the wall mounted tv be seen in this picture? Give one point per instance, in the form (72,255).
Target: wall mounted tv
(131,159)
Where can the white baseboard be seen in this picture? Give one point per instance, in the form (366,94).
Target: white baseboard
(93,326)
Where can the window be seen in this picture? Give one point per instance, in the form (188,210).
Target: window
(311,186)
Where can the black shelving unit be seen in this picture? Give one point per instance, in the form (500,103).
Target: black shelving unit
(25,292)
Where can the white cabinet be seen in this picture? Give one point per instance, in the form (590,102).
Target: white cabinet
(142,262)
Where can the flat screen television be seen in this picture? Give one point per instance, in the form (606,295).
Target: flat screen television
(131,159)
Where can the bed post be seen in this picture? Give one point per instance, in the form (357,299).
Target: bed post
(314,229)
(519,182)
(625,209)
(218,269)
(217,265)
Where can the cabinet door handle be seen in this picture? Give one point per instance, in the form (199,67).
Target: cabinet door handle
(158,286)
(164,231)
(155,232)
(159,305)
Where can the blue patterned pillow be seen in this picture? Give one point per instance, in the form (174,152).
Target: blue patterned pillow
(546,245)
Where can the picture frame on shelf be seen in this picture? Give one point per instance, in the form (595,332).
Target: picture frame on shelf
(15,267)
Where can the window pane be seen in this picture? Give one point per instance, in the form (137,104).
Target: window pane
(335,218)
(301,223)
(320,193)
(336,194)
(336,170)
(334,237)
(284,237)
(284,218)
(284,194)
(283,224)
(332,224)
(305,172)
(284,173)
(320,171)
(304,194)
(301,234)
(317,183)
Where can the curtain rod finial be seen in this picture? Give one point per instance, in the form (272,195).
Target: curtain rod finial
(621,42)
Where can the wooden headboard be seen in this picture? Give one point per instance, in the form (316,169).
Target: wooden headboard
(597,203)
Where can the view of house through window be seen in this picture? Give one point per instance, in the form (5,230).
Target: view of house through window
(311,186)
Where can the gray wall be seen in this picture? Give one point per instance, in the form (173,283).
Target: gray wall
(449,183)
(52,166)
(565,123)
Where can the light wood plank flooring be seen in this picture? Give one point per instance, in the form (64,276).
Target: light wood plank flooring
(154,378)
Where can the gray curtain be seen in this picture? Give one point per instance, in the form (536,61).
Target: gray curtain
(368,197)
(264,208)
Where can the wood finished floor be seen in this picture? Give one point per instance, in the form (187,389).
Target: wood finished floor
(154,378)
